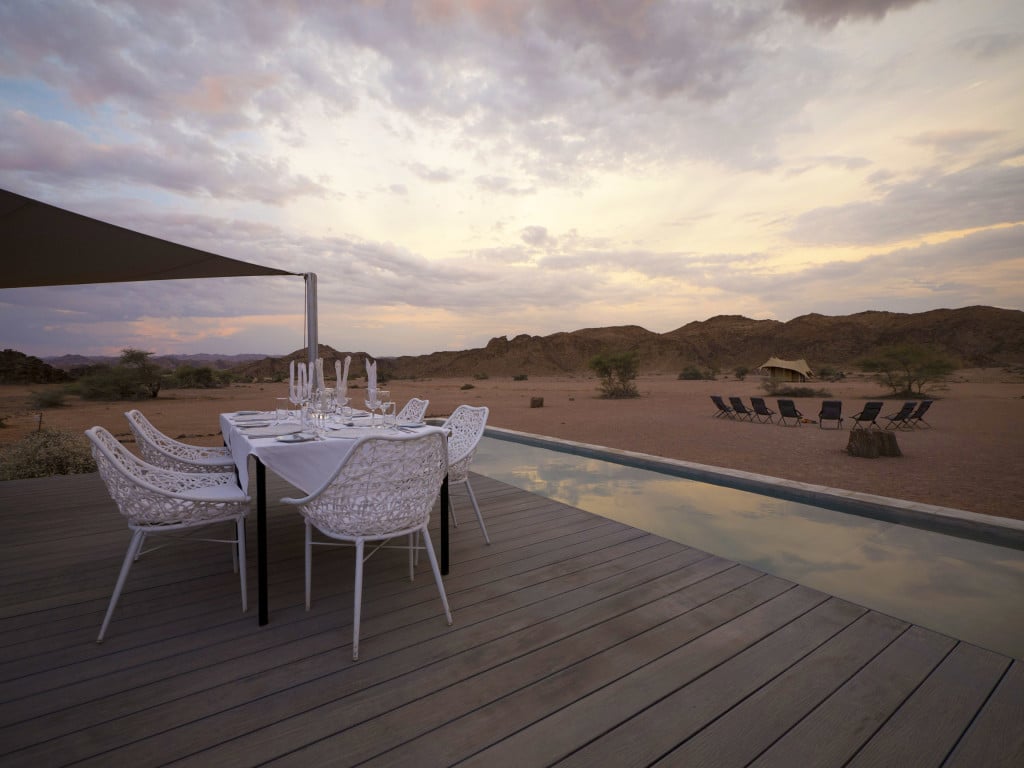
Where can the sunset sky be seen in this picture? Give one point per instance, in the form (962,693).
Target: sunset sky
(455,171)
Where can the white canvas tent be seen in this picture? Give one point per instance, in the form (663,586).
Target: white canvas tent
(46,245)
(787,370)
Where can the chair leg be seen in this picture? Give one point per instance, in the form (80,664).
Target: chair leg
(437,575)
(451,511)
(309,562)
(412,556)
(476,508)
(239,551)
(133,552)
(358,600)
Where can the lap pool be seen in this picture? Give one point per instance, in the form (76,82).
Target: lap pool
(967,589)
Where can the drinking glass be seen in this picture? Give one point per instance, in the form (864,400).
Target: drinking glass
(283,412)
(373,402)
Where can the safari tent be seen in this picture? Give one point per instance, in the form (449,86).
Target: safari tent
(787,370)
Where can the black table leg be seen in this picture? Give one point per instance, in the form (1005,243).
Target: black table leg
(445,512)
(261,540)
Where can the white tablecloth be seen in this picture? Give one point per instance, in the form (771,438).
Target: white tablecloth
(307,465)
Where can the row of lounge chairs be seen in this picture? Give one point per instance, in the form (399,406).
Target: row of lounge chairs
(910,416)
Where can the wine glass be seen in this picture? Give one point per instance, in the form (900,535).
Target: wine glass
(372,401)
(383,395)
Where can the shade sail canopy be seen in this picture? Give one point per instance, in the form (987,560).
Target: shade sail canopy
(46,245)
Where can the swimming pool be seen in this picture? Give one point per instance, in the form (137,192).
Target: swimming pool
(968,589)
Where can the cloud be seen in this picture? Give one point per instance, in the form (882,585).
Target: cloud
(980,196)
(828,13)
(955,141)
(55,152)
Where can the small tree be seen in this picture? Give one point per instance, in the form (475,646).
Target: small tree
(907,368)
(741,372)
(617,372)
(147,372)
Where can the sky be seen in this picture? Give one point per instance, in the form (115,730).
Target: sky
(458,171)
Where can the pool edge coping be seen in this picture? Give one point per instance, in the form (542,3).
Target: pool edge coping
(1005,532)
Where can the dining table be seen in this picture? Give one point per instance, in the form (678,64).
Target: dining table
(306,459)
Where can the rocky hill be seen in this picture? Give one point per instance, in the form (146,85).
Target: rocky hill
(973,336)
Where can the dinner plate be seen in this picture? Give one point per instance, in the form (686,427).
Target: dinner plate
(298,437)
(251,424)
(247,413)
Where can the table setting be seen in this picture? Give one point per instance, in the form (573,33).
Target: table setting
(305,445)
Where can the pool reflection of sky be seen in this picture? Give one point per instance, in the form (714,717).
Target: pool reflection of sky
(963,588)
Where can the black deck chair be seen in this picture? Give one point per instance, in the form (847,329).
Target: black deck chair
(761,411)
(916,419)
(723,409)
(831,410)
(741,411)
(868,415)
(898,420)
(787,410)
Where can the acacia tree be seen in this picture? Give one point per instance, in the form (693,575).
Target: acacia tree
(617,371)
(907,368)
(146,371)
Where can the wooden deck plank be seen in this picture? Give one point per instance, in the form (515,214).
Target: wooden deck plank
(749,728)
(996,737)
(576,638)
(928,725)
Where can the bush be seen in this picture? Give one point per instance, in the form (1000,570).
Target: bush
(467,386)
(47,398)
(693,373)
(191,377)
(741,372)
(617,372)
(480,376)
(44,453)
(520,377)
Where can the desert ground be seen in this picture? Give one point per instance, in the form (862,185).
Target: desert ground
(971,459)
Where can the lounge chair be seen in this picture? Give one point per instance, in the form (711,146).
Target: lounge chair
(831,410)
(866,418)
(787,410)
(723,409)
(761,411)
(898,420)
(742,412)
(916,419)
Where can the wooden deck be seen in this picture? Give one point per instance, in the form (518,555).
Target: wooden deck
(577,641)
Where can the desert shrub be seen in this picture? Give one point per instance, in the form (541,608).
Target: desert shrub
(520,377)
(907,368)
(467,386)
(784,389)
(617,371)
(47,398)
(44,453)
(192,377)
(693,373)
(133,378)
(741,372)
(480,376)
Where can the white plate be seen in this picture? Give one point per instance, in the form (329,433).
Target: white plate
(247,413)
(298,437)
(251,424)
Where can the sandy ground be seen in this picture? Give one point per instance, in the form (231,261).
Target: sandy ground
(972,458)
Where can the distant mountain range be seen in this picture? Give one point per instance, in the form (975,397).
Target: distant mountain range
(218,362)
(975,337)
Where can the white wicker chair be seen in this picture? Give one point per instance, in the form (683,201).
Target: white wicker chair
(465,426)
(383,490)
(159,501)
(413,411)
(163,451)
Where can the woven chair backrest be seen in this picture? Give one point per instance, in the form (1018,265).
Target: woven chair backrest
(385,484)
(466,425)
(413,411)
